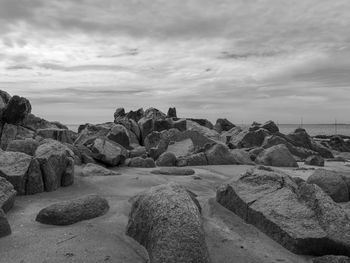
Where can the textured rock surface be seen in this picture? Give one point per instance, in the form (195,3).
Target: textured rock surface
(166,159)
(332,183)
(167,222)
(91,169)
(27,146)
(16,110)
(315,160)
(108,152)
(278,155)
(331,259)
(220,154)
(73,211)
(7,195)
(142,162)
(174,171)
(302,217)
(61,135)
(12,132)
(5,228)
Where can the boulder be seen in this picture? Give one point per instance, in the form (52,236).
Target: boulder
(119,134)
(174,171)
(119,113)
(16,110)
(171,113)
(139,151)
(135,115)
(197,159)
(181,148)
(56,163)
(91,169)
(242,156)
(14,167)
(61,135)
(27,146)
(73,211)
(166,159)
(270,126)
(249,138)
(166,220)
(108,152)
(141,162)
(223,125)
(146,126)
(204,131)
(302,218)
(220,154)
(89,132)
(5,228)
(85,154)
(315,160)
(7,195)
(278,155)
(35,181)
(331,259)
(203,122)
(4,99)
(332,183)
(34,123)
(12,132)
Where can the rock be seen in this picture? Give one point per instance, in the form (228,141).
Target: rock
(167,222)
(331,259)
(89,132)
(119,113)
(91,169)
(203,122)
(16,110)
(4,99)
(135,115)
(142,163)
(35,182)
(315,160)
(181,148)
(85,153)
(14,167)
(7,195)
(278,155)
(301,218)
(146,126)
(209,133)
(56,164)
(27,146)
(119,134)
(61,135)
(5,228)
(197,159)
(166,159)
(300,138)
(154,114)
(253,153)
(223,125)
(220,154)
(171,113)
(270,126)
(138,152)
(323,151)
(332,183)
(249,138)
(12,132)
(242,156)
(34,123)
(108,152)
(174,171)
(73,211)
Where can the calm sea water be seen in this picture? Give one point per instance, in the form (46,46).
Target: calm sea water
(312,129)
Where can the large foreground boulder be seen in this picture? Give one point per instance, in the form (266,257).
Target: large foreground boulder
(166,159)
(302,218)
(332,183)
(278,155)
(73,211)
(56,163)
(166,220)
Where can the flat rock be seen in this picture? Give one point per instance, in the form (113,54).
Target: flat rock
(174,171)
(73,211)
(302,218)
(91,169)
(331,259)
(166,220)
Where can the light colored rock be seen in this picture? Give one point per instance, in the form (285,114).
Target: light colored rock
(278,155)
(108,152)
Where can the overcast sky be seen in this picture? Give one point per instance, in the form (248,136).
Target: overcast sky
(78,60)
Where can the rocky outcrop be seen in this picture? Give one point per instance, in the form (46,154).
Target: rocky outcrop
(166,159)
(73,211)
(302,218)
(278,155)
(171,113)
(174,171)
(56,164)
(242,156)
(332,183)
(315,160)
(108,152)
(167,222)
(248,138)
(202,122)
(27,146)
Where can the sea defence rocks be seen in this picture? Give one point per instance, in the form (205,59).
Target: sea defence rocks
(108,152)
(5,228)
(174,171)
(332,183)
(302,218)
(166,159)
(278,155)
(12,132)
(27,146)
(223,125)
(315,160)
(56,164)
(61,135)
(7,195)
(73,211)
(16,110)
(166,220)
(220,154)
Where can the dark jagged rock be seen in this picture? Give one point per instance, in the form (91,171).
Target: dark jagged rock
(166,159)
(56,163)
(166,220)
(119,134)
(223,125)
(174,171)
(16,110)
(135,115)
(270,126)
(5,228)
(249,138)
(4,99)
(73,211)
(119,113)
(27,146)
(171,113)
(7,195)
(278,155)
(332,183)
(315,160)
(301,218)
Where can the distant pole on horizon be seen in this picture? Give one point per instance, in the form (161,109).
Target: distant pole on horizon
(301,122)
(335,126)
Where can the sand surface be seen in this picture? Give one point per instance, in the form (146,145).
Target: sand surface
(103,239)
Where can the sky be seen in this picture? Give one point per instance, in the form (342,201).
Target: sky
(244,60)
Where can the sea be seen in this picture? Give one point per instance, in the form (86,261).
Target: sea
(312,129)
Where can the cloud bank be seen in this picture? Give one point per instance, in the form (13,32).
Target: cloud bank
(244,60)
